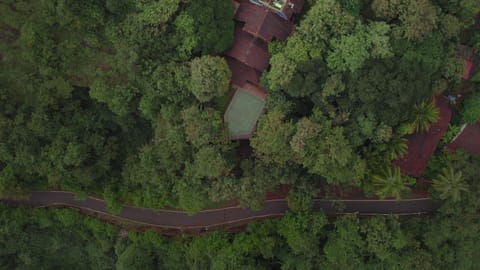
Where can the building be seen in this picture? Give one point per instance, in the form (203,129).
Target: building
(471,61)
(249,50)
(244,110)
(262,23)
(422,145)
(283,8)
(468,139)
(256,24)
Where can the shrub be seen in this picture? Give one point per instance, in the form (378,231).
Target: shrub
(471,108)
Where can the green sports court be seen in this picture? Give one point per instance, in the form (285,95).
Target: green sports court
(243,112)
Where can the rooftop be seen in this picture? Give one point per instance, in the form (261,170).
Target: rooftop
(263,23)
(422,145)
(242,74)
(249,50)
(471,61)
(283,8)
(246,106)
(469,140)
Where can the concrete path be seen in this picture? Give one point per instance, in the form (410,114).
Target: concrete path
(175,219)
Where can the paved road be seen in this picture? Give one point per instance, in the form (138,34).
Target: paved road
(215,217)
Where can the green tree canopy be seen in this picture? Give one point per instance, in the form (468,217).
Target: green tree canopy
(210,77)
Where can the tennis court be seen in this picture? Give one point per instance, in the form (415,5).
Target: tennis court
(243,112)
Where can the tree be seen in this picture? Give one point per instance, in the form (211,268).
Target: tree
(319,147)
(424,115)
(387,9)
(391,183)
(134,257)
(271,141)
(208,162)
(351,51)
(206,27)
(302,233)
(344,247)
(450,184)
(204,127)
(419,18)
(210,77)
(299,67)
(471,108)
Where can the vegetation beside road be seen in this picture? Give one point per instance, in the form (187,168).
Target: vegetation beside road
(64,238)
(123,99)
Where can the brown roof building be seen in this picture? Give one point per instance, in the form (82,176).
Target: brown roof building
(263,23)
(242,74)
(249,50)
(422,145)
(469,140)
(283,8)
(257,23)
(471,61)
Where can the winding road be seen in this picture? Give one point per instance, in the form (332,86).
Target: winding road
(176,219)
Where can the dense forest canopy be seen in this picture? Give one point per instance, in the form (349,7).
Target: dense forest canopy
(125,99)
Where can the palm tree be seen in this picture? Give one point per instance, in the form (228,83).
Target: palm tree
(397,148)
(450,184)
(425,114)
(392,183)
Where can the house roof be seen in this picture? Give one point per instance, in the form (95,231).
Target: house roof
(236,5)
(478,21)
(246,106)
(468,140)
(248,50)
(262,22)
(467,67)
(242,74)
(422,145)
(286,7)
(470,59)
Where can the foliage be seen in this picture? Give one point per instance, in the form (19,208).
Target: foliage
(391,183)
(350,52)
(450,184)
(58,238)
(452,132)
(471,108)
(320,148)
(124,99)
(210,77)
(271,141)
(424,115)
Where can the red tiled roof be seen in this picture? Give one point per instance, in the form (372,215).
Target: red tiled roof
(249,50)
(467,66)
(422,145)
(469,140)
(478,21)
(236,5)
(241,73)
(255,90)
(263,23)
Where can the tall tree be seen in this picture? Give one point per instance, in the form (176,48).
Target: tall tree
(450,184)
(272,138)
(391,183)
(210,77)
(471,108)
(424,115)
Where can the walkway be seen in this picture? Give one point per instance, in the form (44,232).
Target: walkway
(175,219)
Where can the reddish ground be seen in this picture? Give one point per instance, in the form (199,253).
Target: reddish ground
(469,140)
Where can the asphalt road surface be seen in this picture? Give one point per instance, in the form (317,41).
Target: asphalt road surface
(176,219)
